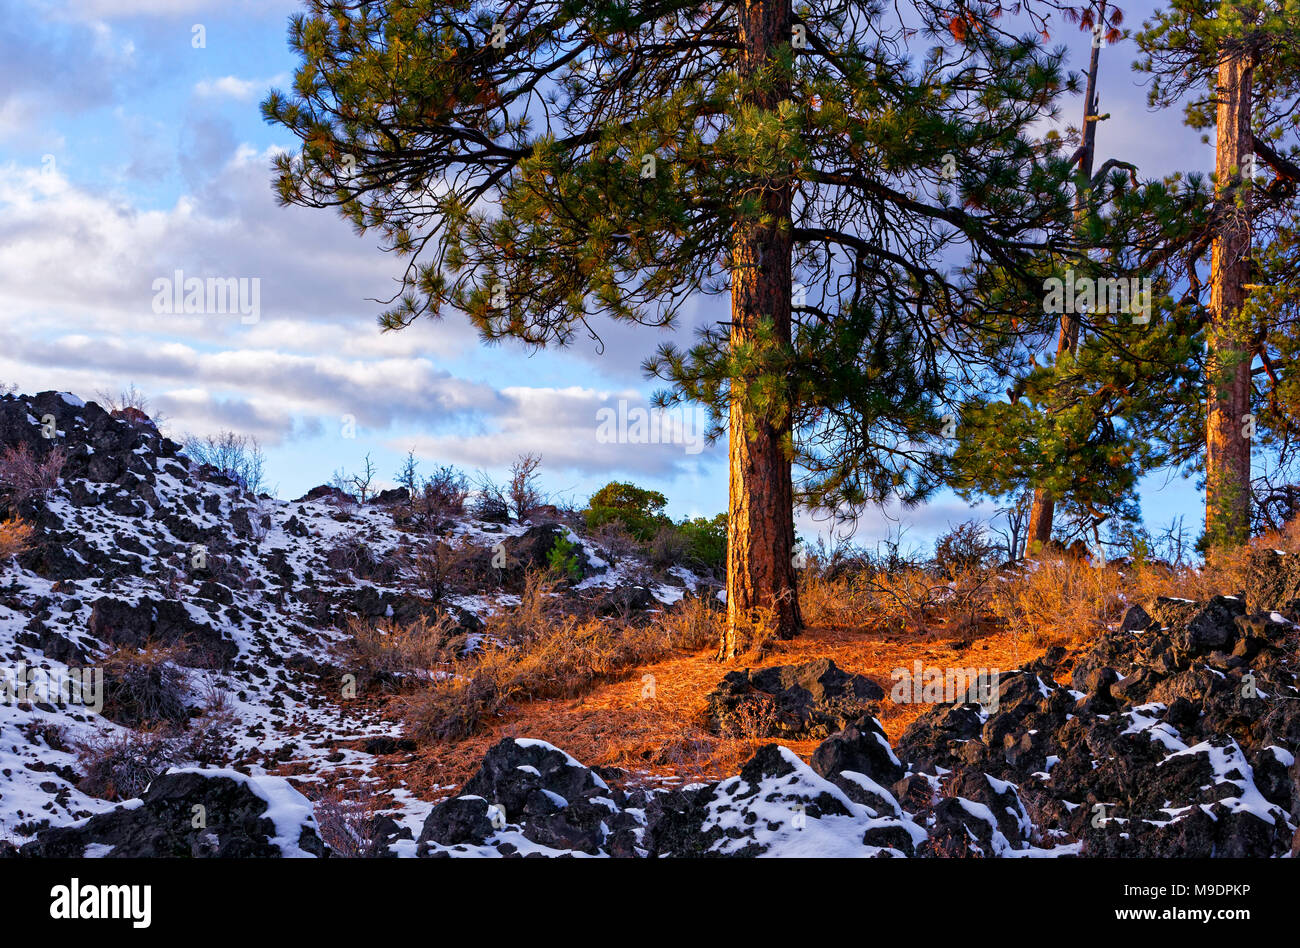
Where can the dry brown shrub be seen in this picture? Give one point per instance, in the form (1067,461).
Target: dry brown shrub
(347,819)
(908,599)
(831,602)
(393,654)
(693,623)
(1059,600)
(120,766)
(145,687)
(753,718)
(444,565)
(534,650)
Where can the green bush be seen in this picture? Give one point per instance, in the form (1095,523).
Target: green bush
(706,541)
(640,511)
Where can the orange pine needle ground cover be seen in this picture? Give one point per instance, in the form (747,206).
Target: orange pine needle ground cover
(663,740)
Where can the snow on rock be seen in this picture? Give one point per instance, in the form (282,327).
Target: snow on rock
(194,812)
(253,594)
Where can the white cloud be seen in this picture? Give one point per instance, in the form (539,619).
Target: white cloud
(232,87)
(63,246)
(77,268)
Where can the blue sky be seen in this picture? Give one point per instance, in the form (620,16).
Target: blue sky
(128,153)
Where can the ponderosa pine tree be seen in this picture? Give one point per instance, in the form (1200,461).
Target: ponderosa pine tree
(872,193)
(1084,427)
(1238,61)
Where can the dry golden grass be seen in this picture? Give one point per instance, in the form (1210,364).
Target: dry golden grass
(529,652)
(386,652)
(909,599)
(15,536)
(1058,601)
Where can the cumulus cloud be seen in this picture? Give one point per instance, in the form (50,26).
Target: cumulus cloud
(915,529)
(63,244)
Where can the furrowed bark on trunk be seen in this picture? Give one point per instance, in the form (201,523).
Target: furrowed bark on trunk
(1044,508)
(1227,449)
(761,577)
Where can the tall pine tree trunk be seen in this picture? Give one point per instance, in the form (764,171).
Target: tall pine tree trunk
(760,513)
(1227,450)
(1044,507)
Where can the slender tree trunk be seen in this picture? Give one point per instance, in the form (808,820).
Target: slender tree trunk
(760,514)
(1044,508)
(1040,521)
(1227,449)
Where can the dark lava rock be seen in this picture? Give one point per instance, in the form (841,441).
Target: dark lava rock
(623,600)
(521,775)
(231,816)
(160,621)
(1273,582)
(559,803)
(464,819)
(1211,627)
(862,748)
(814,699)
(326,492)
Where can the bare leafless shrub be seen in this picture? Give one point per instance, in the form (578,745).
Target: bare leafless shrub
(351,553)
(208,739)
(362,481)
(668,548)
(341,497)
(132,405)
(964,547)
(489,501)
(523,492)
(49,733)
(456,709)
(613,538)
(433,570)
(215,696)
(120,766)
(23,475)
(238,457)
(443,493)
(444,565)
(347,820)
(391,655)
(144,687)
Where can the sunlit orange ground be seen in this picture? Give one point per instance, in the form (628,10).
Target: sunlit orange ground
(663,739)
